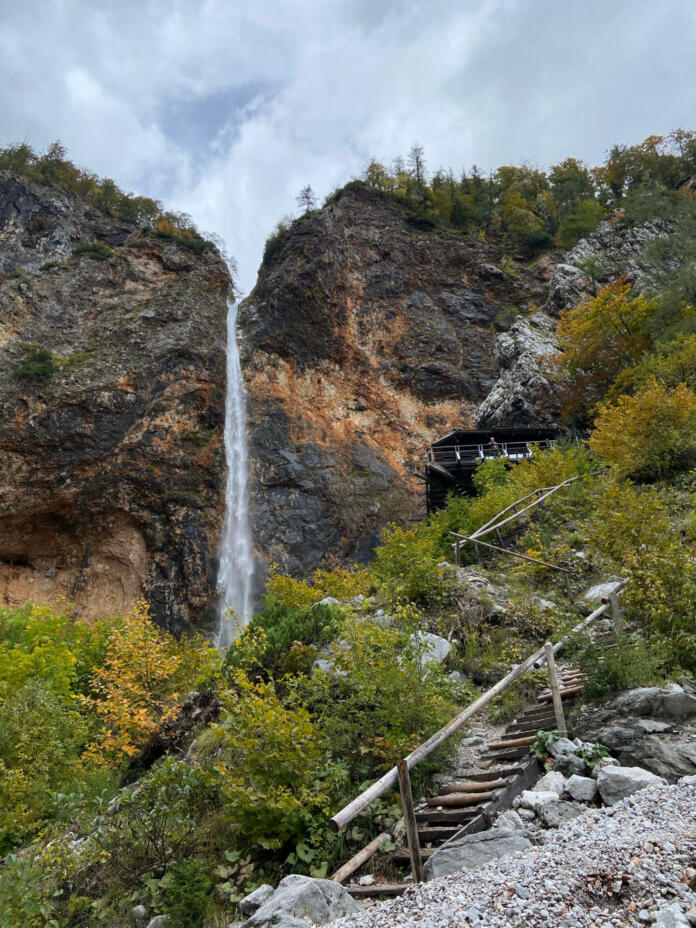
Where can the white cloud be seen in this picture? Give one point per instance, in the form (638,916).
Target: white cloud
(226,109)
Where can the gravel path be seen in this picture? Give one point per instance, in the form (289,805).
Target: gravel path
(616,866)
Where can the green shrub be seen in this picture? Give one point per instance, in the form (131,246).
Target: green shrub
(275,239)
(42,736)
(408,568)
(186,892)
(157,822)
(272,769)
(284,629)
(634,533)
(580,222)
(632,662)
(380,698)
(96,250)
(38,365)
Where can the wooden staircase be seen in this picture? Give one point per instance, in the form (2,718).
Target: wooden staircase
(469,803)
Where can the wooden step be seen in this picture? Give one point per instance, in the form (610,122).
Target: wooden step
(532,715)
(427,835)
(495,774)
(473,786)
(402,853)
(512,754)
(565,694)
(378,889)
(520,728)
(446,816)
(457,800)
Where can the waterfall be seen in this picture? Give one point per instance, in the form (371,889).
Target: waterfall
(236,558)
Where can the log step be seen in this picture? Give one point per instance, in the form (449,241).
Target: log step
(531,715)
(530,726)
(378,889)
(565,694)
(512,743)
(473,786)
(460,799)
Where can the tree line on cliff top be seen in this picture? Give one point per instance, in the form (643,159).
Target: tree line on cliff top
(526,206)
(55,170)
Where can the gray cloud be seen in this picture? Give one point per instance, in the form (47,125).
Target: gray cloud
(226,109)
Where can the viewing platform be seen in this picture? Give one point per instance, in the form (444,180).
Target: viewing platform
(451,461)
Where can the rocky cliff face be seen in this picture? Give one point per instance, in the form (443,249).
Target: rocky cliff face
(112,378)
(523,393)
(364,339)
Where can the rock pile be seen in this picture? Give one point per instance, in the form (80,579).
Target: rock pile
(630,864)
(654,727)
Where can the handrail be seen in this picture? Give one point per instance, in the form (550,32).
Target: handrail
(547,491)
(389,779)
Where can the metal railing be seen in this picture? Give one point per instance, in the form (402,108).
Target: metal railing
(473,454)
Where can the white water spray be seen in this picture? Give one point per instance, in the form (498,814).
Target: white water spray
(236,558)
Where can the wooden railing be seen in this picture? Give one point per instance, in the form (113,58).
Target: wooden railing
(399,774)
(538,497)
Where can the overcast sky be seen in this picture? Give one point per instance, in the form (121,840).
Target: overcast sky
(226,108)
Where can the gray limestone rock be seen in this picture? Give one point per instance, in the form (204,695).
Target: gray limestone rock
(255,900)
(616,783)
(555,814)
(435,648)
(671,916)
(473,850)
(651,727)
(562,746)
(602,763)
(303,900)
(551,782)
(668,703)
(510,820)
(584,789)
(523,393)
(535,799)
(569,764)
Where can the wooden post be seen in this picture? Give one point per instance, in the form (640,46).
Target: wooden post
(616,612)
(410,821)
(555,689)
(457,557)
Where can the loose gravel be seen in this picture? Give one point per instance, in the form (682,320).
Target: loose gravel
(616,866)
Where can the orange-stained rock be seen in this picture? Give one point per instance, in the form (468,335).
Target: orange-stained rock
(111,468)
(364,339)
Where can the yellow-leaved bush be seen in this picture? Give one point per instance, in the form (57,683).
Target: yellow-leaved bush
(633,534)
(649,434)
(145,675)
(340,583)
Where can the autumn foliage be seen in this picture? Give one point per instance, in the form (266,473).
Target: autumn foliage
(140,686)
(649,434)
